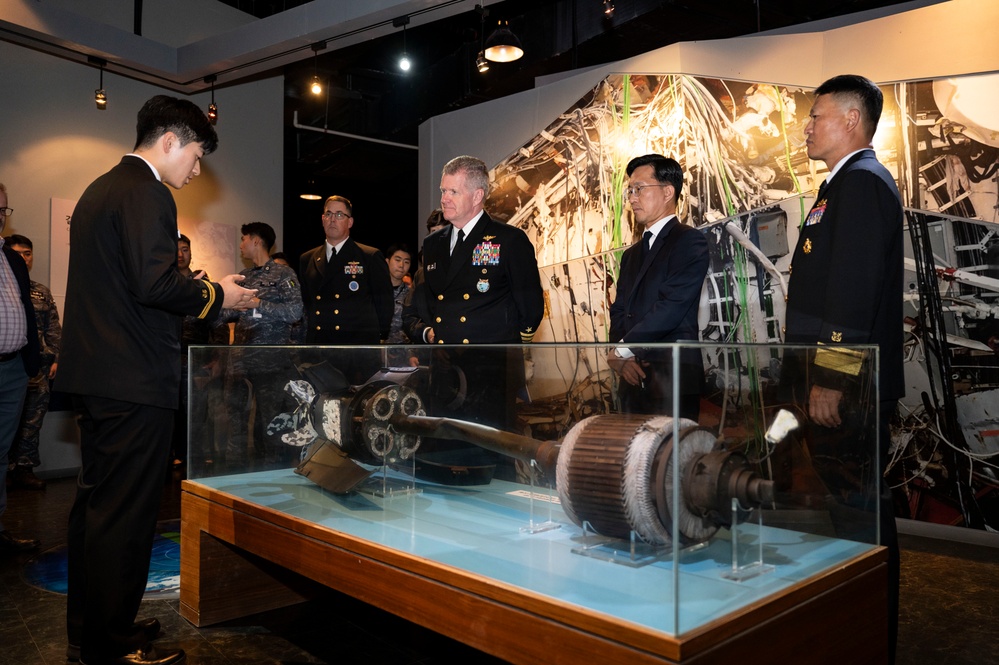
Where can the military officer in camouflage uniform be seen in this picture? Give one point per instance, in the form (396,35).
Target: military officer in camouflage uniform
(276,308)
(24,451)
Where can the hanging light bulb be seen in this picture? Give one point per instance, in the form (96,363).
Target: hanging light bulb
(404,62)
(100,96)
(213,111)
(608,8)
(316,87)
(480,61)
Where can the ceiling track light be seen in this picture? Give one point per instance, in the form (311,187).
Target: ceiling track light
(480,61)
(213,111)
(503,45)
(100,97)
(316,86)
(403,21)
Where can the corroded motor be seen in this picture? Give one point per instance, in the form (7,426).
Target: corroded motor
(615,472)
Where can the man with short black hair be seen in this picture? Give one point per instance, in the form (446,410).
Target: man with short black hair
(121,360)
(658,289)
(24,455)
(846,289)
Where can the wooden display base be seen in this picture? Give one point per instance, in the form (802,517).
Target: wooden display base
(236,557)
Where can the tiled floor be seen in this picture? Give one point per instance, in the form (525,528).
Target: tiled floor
(950,614)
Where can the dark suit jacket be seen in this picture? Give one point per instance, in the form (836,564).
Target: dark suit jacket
(125,297)
(846,279)
(488,292)
(349,300)
(657,298)
(30,352)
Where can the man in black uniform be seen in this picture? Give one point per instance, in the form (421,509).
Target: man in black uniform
(481,286)
(846,288)
(346,292)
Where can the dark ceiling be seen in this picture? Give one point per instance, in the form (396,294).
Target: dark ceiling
(370,97)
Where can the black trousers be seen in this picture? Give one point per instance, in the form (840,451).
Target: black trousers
(125,447)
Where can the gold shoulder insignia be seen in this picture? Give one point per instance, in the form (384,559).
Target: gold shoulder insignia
(837,336)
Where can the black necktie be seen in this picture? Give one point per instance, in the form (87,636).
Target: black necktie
(822,189)
(461,238)
(646,240)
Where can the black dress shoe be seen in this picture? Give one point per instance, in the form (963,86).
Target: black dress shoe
(11,545)
(147,656)
(149,628)
(23,478)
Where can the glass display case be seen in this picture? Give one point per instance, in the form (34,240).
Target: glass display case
(553,473)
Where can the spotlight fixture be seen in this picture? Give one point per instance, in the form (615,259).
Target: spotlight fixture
(213,111)
(100,97)
(309,193)
(316,87)
(608,8)
(404,62)
(503,45)
(480,61)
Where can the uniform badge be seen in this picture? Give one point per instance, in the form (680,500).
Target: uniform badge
(482,286)
(815,216)
(353,268)
(354,286)
(807,247)
(432,266)
(486,253)
(837,336)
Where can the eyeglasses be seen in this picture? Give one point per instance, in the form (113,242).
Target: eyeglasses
(637,190)
(5,211)
(335,215)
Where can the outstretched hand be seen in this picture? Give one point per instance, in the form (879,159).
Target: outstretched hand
(236,297)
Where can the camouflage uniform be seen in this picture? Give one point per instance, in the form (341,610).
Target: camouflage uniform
(397,356)
(265,371)
(24,451)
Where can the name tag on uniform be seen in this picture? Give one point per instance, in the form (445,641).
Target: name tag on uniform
(815,216)
(486,254)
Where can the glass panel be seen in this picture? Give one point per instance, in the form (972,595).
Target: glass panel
(539,466)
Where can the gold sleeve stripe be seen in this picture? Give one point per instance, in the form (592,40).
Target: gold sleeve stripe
(526,338)
(847,361)
(209,294)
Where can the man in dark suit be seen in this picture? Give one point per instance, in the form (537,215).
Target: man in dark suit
(121,361)
(846,288)
(20,359)
(481,286)
(346,292)
(658,290)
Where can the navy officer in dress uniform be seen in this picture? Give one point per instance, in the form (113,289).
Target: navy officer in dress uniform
(346,292)
(481,286)
(846,288)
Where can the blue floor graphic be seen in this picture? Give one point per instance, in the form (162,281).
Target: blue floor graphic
(48,570)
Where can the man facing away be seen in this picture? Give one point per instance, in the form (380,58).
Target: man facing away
(658,290)
(121,361)
(846,288)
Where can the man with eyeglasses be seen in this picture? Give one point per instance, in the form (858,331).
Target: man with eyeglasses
(19,360)
(658,290)
(346,290)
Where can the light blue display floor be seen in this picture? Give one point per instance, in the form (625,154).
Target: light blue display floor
(478,529)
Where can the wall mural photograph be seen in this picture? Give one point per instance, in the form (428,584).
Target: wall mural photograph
(748,185)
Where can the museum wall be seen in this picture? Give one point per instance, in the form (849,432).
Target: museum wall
(55,142)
